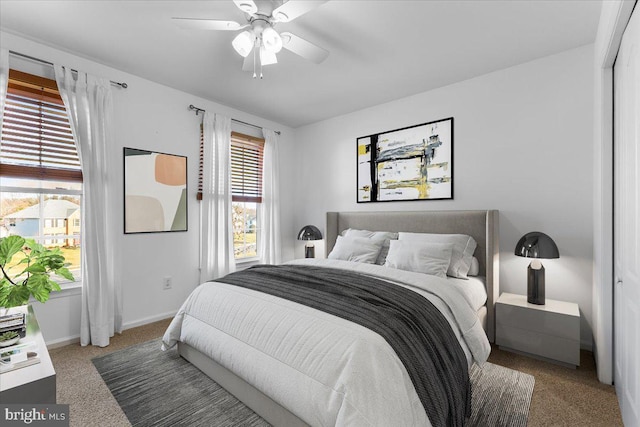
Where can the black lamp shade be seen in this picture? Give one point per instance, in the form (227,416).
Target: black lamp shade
(309,232)
(536,245)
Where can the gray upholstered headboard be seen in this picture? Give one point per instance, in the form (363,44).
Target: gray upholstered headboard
(481,225)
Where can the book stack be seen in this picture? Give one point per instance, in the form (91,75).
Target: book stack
(13,322)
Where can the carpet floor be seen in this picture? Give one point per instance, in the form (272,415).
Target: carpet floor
(561,397)
(162,389)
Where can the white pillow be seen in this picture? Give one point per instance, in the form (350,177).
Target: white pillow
(463,247)
(421,257)
(474,270)
(357,249)
(382,236)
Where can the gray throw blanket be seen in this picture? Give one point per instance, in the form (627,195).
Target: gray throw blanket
(416,330)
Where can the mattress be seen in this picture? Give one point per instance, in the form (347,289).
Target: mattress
(324,369)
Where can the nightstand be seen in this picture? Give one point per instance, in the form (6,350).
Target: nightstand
(550,331)
(35,383)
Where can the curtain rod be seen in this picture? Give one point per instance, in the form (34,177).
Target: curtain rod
(198,110)
(42,61)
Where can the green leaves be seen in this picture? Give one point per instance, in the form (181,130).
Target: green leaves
(64,272)
(38,286)
(40,263)
(18,295)
(9,246)
(35,268)
(5,290)
(8,336)
(54,286)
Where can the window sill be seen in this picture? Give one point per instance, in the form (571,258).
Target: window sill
(247,260)
(68,289)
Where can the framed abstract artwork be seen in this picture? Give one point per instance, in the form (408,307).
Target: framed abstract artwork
(412,163)
(155,192)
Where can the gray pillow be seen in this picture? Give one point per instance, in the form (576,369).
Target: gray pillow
(421,257)
(463,248)
(379,236)
(475,267)
(356,249)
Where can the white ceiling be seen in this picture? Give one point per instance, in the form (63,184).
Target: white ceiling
(379,50)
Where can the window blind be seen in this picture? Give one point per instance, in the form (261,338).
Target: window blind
(37,141)
(246,168)
(201,164)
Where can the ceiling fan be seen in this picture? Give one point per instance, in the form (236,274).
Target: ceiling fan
(259,36)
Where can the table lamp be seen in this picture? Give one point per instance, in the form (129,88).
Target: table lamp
(536,245)
(309,233)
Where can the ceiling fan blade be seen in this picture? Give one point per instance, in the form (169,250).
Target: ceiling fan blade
(291,9)
(247,6)
(303,48)
(207,24)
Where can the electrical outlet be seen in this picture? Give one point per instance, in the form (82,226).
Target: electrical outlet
(166,282)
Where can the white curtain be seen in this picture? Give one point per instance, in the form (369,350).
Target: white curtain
(4,80)
(216,213)
(269,217)
(88,101)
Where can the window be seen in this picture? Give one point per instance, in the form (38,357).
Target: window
(245,231)
(246,189)
(246,193)
(40,175)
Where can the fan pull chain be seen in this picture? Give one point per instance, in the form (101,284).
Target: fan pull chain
(261,43)
(254,61)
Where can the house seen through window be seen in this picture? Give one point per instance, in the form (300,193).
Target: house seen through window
(40,175)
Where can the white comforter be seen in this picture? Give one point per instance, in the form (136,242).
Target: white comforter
(324,369)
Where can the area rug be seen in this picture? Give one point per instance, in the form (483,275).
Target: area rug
(156,388)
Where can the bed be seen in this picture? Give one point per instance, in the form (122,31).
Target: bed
(299,381)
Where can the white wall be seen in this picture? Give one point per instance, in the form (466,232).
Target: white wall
(523,145)
(154,117)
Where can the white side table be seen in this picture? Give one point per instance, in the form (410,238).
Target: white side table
(550,331)
(34,383)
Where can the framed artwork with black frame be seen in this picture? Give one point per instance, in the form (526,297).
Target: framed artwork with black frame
(411,163)
(155,191)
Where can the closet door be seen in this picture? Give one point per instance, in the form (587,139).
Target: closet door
(627,222)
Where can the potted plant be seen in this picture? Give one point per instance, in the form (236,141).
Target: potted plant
(30,275)
(8,338)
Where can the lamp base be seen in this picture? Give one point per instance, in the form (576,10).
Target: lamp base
(535,285)
(309,251)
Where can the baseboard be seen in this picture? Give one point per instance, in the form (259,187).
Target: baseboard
(585,345)
(147,320)
(61,342)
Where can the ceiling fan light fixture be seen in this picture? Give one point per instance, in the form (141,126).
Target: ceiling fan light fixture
(271,40)
(267,58)
(243,43)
